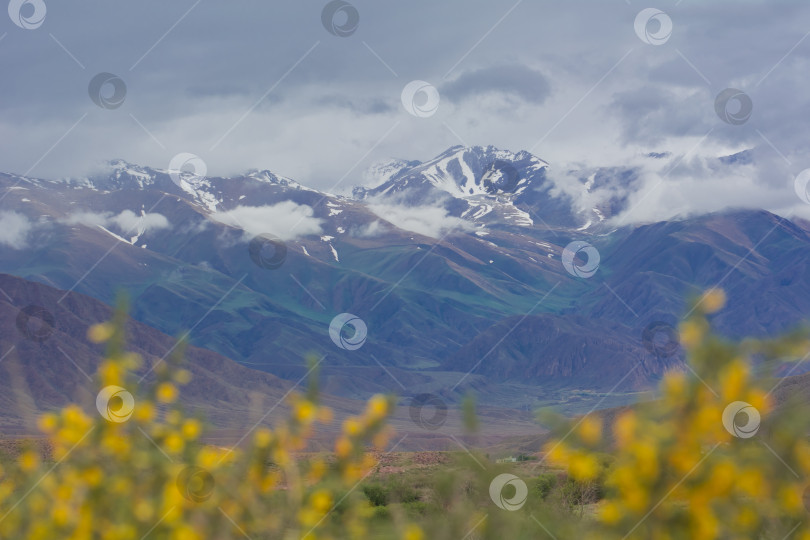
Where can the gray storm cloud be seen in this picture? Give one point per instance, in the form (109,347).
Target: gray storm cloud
(264,85)
(511,80)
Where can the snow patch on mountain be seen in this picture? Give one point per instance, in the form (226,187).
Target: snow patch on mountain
(200,188)
(519,217)
(117,237)
(477,209)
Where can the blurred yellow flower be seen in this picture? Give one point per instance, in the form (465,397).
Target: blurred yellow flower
(413,532)
(166,392)
(263,437)
(321,501)
(691,334)
(144,411)
(343,447)
(99,333)
(29,460)
(93,476)
(174,443)
(182,376)
(624,428)
(671,469)
(610,513)
(305,411)
(377,406)
(583,466)
(590,429)
(381,439)
(713,300)
(47,423)
(191,429)
(733,379)
(351,426)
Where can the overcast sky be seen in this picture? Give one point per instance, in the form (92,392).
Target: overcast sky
(263,84)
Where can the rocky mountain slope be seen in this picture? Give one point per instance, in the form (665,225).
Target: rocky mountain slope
(457,267)
(47,362)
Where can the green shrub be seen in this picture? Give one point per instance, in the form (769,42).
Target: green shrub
(377,494)
(544,483)
(381,513)
(417,509)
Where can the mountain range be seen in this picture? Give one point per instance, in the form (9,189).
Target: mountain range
(48,362)
(468,272)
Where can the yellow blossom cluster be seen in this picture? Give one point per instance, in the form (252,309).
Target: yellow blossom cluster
(721,453)
(713,457)
(136,466)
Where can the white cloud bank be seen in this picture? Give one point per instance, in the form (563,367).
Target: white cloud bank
(128,222)
(287,220)
(427,221)
(14,230)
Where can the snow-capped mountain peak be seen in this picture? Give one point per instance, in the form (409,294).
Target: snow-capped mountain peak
(382,171)
(272,178)
(478,183)
(463,172)
(483,185)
